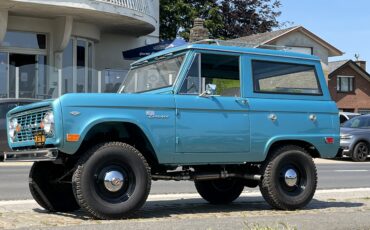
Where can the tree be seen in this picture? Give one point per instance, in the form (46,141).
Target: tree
(223,18)
(246,17)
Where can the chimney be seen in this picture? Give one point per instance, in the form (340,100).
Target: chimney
(198,32)
(362,64)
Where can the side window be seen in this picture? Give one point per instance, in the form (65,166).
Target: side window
(220,70)
(285,78)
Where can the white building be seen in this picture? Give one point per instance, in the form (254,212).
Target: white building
(52,47)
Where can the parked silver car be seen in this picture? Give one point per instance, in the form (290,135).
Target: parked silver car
(355,138)
(345,116)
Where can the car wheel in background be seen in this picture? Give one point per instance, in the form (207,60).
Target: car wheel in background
(360,152)
(220,191)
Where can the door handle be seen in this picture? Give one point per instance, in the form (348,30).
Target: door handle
(242,101)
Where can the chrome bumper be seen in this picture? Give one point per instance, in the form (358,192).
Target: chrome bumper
(32,155)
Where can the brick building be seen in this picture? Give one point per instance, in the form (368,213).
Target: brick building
(349,85)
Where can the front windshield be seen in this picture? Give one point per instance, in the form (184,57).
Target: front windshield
(362,122)
(158,74)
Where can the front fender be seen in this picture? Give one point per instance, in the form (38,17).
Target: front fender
(86,126)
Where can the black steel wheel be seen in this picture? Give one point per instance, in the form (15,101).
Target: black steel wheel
(289,178)
(112,181)
(47,192)
(221,191)
(360,152)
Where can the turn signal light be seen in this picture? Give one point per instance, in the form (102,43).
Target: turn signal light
(73,137)
(329,140)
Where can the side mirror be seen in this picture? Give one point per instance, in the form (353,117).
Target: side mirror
(210,90)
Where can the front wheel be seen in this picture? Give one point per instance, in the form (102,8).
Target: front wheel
(112,181)
(220,191)
(289,178)
(360,152)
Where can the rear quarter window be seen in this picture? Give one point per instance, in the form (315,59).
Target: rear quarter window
(285,78)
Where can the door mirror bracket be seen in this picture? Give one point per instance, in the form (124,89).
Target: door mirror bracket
(210,90)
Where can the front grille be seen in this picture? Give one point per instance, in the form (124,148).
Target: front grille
(30,124)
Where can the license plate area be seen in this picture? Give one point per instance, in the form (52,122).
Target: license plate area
(39,138)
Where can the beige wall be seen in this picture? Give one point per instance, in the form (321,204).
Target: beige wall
(298,39)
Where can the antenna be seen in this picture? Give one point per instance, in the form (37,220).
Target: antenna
(357,56)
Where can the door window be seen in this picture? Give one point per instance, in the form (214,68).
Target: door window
(220,70)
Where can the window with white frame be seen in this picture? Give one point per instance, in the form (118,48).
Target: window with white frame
(300,49)
(345,84)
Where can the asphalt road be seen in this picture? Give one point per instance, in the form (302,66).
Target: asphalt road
(14,180)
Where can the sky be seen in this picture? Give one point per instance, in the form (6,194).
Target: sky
(345,24)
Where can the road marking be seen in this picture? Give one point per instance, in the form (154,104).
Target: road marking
(351,170)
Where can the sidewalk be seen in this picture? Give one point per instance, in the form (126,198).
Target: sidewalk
(330,209)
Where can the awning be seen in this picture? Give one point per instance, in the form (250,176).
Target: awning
(144,51)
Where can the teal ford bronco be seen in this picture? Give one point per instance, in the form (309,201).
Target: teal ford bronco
(224,117)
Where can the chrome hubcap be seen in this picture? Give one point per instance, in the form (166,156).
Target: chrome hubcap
(290,177)
(113,181)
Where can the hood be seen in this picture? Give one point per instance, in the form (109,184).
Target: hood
(32,106)
(115,100)
(353,131)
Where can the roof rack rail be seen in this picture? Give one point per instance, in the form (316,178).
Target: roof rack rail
(240,44)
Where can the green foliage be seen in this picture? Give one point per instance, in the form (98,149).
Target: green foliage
(224,19)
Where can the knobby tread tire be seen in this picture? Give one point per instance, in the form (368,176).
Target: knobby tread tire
(51,196)
(211,194)
(77,180)
(269,191)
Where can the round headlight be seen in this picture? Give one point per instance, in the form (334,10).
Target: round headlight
(48,122)
(12,128)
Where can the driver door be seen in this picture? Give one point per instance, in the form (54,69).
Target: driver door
(212,128)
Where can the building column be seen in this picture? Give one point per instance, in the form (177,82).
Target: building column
(62,35)
(3,24)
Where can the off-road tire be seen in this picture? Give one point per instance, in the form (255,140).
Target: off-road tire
(49,194)
(89,192)
(359,152)
(221,191)
(273,187)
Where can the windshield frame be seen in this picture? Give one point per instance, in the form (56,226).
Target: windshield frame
(164,57)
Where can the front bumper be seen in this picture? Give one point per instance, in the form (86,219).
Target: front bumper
(49,154)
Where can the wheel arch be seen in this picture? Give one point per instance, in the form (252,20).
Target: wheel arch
(122,131)
(309,147)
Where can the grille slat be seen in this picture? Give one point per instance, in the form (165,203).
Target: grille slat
(30,124)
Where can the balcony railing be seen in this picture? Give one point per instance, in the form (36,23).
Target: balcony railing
(142,6)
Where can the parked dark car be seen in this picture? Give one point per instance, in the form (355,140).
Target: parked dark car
(5,106)
(355,138)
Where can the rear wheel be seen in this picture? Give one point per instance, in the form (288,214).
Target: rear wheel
(48,193)
(289,178)
(360,152)
(112,181)
(221,191)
